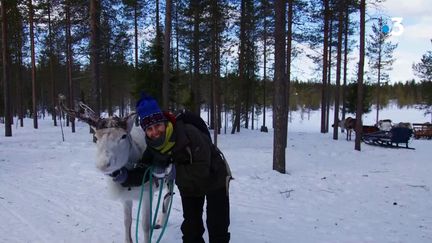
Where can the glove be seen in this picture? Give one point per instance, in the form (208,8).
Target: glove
(120,176)
(168,172)
(158,172)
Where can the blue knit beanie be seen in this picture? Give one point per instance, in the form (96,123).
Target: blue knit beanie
(149,111)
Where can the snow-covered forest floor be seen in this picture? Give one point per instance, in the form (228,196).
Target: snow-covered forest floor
(51,191)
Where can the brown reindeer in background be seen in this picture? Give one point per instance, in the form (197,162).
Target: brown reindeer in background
(350,123)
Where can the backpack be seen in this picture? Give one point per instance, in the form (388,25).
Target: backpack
(218,161)
(191,118)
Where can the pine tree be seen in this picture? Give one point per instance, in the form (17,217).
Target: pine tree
(380,54)
(134,9)
(94,44)
(247,64)
(6,71)
(217,25)
(279,100)
(265,26)
(166,54)
(423,69)
(351,99)
(33,64)
(341,13)
(16,39)
(360,73)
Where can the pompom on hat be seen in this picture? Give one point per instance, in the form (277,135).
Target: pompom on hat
(149,112)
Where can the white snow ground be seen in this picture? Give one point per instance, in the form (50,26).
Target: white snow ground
(51,191)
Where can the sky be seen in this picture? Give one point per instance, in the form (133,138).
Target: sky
(51,190)
(415,40)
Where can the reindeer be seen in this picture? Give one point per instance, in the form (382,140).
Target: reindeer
(120,144)
(349,124)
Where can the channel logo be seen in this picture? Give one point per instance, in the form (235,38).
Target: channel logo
(393,26)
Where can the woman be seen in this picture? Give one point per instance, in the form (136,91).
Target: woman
(201,171)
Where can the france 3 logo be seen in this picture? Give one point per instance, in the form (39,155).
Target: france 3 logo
(392,26)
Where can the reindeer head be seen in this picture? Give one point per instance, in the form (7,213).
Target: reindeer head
(340,124)
(116,146)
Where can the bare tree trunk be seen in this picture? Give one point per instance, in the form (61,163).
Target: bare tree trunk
(338,70)
(157,22)
(215,112)
(212,94)
(136,33)
(122,107)
(236,114)
(69,62)
(217,82)
(213,11)
(379,79)
(6,80)
(20,86)
(94,54)
(33,64)
(246,102)
(53,84)
(177,48)
(359,112)
(328,91)
(346,27)
(253,115)
(324,70)
(216,88)
(263,127)
(288,67)
(166,56)
(196,97)
(378,88)
(108,81)
(242,53)
(279,100)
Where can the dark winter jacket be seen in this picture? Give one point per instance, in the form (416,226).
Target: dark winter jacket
(200,166)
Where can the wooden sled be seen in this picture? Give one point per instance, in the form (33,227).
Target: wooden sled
(422,130)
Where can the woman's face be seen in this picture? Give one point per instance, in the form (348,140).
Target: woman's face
(156,130)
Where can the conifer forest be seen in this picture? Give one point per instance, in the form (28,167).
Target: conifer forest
(227,56)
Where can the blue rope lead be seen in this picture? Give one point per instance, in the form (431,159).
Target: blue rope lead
(149,169)
(171,192)
(156,210)
(152,224)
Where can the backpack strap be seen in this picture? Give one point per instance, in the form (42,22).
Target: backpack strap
(170,116)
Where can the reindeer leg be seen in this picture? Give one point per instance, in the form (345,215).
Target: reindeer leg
(145,217)
(165,204)
(127,211)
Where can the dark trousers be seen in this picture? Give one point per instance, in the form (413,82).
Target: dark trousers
(217,217)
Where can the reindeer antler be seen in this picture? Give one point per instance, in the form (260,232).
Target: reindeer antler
(88,115)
